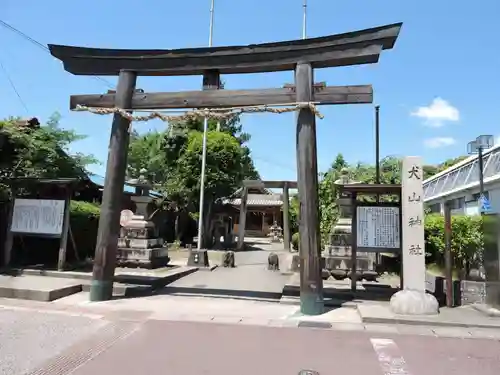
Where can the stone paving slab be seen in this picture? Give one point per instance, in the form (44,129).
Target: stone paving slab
(339,291)
(38,288)
(251,280)
(48,286)
(465,316)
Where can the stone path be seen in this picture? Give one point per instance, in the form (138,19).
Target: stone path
(106,338)
(250,278)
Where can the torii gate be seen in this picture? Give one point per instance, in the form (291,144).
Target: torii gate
(285,185)
(302,56)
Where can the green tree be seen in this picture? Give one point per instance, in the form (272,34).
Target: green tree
(40,151)
(173,161)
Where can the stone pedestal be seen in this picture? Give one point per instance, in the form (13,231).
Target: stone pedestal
(414,302)
(142,258)
(198,258)
(135,249)
(139,244)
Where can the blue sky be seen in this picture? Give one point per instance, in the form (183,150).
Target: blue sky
(438,88)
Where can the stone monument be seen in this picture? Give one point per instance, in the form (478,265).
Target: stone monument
(139,244)
(338,258)
(413,299)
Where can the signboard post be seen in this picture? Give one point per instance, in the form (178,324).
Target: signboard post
(413,300)
(38,217)
(378,228)
(47,218)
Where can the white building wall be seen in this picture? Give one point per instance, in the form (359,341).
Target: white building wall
(471,205)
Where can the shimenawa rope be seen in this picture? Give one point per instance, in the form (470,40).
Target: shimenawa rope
(217,113)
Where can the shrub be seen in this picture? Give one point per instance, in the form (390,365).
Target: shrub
(295,241)
(84,220)
(466,239)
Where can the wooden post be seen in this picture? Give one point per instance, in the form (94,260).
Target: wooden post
(9,236)
(243,219)
(101,288)
(447,255)
(311,283)
(354,243)
(64,232)
(286,217)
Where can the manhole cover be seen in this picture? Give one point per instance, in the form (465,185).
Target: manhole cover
(308,372)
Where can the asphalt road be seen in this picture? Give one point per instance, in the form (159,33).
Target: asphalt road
(42,343)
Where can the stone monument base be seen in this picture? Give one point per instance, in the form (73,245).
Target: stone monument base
(198,258)
(142,258)
(414,302)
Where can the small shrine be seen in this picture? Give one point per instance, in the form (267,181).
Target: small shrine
(139,244)
(338,256)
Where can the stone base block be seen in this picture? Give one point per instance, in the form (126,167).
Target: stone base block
(142,258)
(140,243)
(414,302)
(198,258)
(339,274)
(325,274)
(370,275)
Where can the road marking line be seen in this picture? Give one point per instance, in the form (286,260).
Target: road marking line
(390,358)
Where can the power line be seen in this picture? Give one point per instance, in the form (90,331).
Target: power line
(44,47)
(2,66)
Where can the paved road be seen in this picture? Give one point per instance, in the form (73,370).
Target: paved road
(39,342)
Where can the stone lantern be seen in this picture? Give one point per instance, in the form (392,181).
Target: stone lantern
(338,258)
(139,243)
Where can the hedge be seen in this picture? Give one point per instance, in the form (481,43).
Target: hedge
(84,220)
(466,241)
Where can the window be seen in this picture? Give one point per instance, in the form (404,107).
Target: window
(476,196)
(461,202)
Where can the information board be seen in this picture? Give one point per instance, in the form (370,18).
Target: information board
(38,216)
(378,227)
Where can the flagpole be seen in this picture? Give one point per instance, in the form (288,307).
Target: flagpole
(304,20)
(204,147)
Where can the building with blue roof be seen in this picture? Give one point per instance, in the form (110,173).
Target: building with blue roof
(127,189)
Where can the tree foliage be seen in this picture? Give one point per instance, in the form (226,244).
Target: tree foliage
(39,151)
(173,159)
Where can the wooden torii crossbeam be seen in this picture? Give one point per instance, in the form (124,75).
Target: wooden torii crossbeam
(267,184)
(361,94)
(302,56)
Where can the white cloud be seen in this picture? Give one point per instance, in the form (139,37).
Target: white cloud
(437,113)
(439,142)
